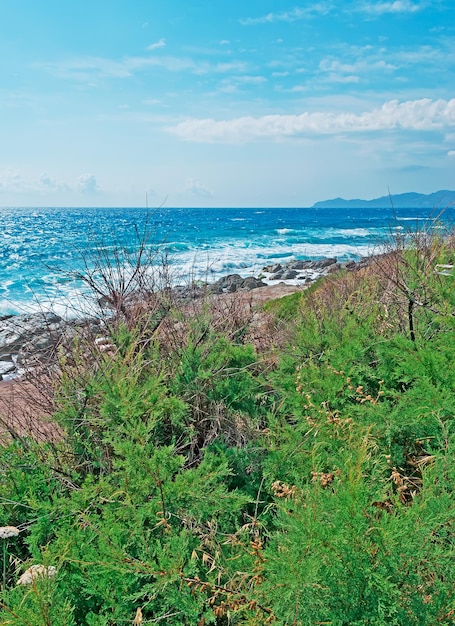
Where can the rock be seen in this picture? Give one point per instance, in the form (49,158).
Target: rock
(26,340)
(215,289)
(234,282)
(277,275)
(6,367)
(17,330)
(230,283)
(273,269)
(320,265)
(348,265)
(300,265)
(289,275)
(251,282)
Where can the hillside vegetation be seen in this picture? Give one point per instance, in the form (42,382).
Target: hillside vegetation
(295,468)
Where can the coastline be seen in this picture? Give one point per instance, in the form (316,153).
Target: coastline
(30,337)
(28,343)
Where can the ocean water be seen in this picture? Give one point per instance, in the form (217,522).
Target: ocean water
(41,249)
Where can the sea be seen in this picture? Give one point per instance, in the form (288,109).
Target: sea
(46,252)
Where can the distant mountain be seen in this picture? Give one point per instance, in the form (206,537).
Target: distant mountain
(438,200)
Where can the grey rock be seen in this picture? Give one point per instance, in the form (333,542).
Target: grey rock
(273,269)
(234,282)
(289,275)
(349,265)
(300,265)
(6,367)
(20,329)
(320,265)
(251,282)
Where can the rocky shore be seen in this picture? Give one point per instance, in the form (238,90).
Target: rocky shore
(26,340)
(33,338)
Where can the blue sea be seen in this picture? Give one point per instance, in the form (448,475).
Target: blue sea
(40,249)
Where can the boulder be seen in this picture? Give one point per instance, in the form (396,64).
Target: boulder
(323,263)
(234,282)
(278,275)
(289,274)
(300,265)
(18,330)
(273,269)
(251,282)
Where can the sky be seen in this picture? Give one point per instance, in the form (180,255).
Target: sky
(252,103)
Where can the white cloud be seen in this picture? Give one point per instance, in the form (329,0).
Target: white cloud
(451,154)
(86,183)
(197,188)
(158,44)
(335,71)
(228,88)
(423,55)
(298,13)
(342,79)
(254,80)
(325,7)
(13,181)
(398,6)
(360,65)
(47,183)
(421,115)
(85,69)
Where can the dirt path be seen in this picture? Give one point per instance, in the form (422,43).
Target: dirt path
(25,410)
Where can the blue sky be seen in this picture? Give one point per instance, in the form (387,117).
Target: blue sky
(211,103)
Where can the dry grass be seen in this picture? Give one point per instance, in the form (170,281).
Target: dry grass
(28,402)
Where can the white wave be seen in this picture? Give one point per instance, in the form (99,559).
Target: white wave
(8,307)
(284,231)
(355,232)
(6,283)
(216,262)
(330,233)
(419,218)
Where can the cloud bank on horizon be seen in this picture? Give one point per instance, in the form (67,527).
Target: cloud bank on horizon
(245,104)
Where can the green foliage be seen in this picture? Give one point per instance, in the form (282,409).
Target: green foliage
(199,482)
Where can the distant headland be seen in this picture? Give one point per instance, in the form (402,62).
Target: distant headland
(437,200)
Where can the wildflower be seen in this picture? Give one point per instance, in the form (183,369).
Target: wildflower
(36,571)
(8,531)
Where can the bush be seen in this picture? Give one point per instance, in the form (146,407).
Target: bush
(199,481)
